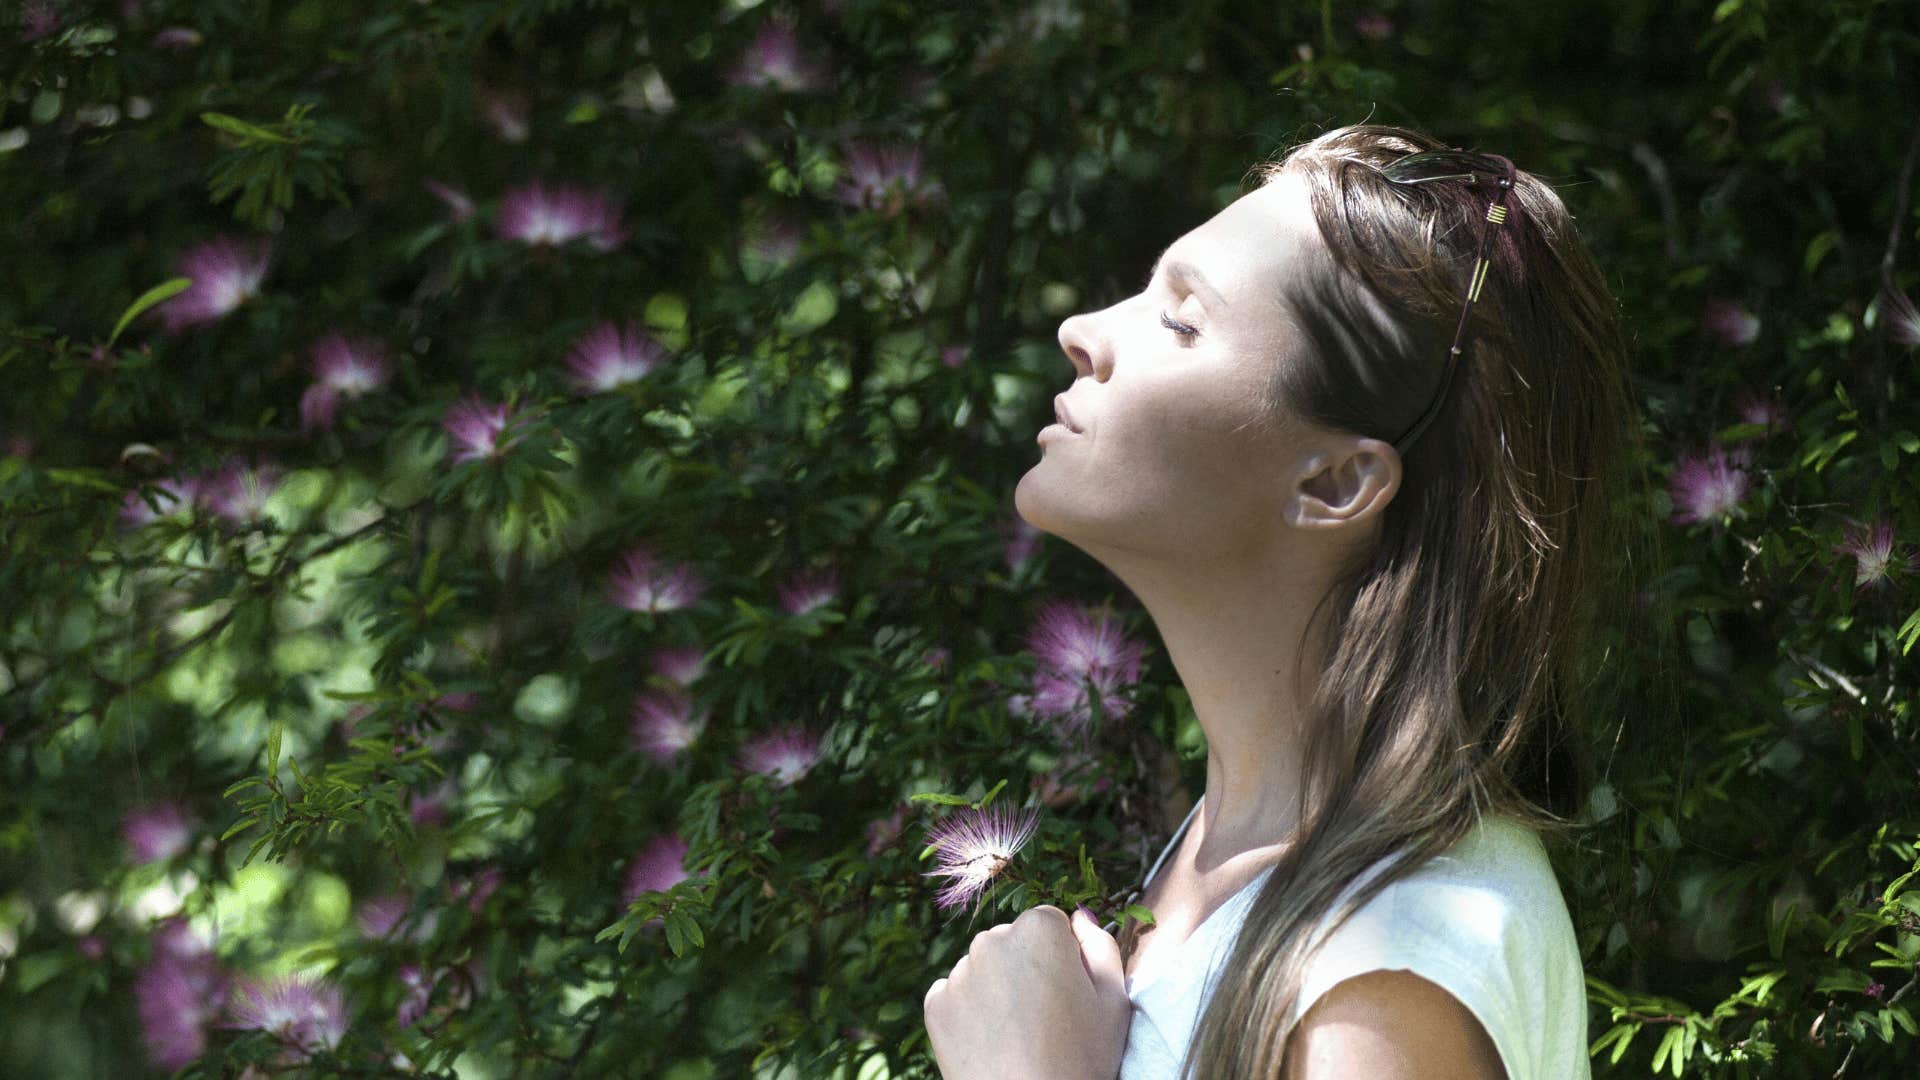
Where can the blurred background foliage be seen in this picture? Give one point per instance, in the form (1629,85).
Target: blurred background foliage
(553,367)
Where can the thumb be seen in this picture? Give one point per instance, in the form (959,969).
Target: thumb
(1099,952)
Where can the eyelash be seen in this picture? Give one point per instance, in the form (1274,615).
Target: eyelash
(1182,329)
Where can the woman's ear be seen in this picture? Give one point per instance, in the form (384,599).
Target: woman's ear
(1347,484)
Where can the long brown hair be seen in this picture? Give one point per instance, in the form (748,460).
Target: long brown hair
(1461,650)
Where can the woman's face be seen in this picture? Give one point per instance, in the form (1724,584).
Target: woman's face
(1175,454)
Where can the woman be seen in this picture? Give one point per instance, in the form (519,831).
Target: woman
(1365,486)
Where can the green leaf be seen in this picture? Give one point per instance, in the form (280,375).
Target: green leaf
(1668,1044)
(233,125)
(273,750)
(1908,633)
(941,798)
(168,288)
(988,797)
(1818,247)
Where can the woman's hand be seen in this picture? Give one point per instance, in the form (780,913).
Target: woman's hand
(1043,997)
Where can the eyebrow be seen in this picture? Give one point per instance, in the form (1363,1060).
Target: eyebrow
(1181,270)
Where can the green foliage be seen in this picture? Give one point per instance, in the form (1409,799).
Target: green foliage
(376,671)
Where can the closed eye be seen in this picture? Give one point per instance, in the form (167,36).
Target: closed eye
(1180,328)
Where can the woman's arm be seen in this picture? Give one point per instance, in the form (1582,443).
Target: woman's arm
(1390,1025)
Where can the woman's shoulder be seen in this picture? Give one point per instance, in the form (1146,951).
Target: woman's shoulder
(1489,908)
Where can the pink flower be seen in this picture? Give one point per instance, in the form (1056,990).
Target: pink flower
(417,990)
(774,60)
(808,589)
(176,495)
(1708,487)
(177,38)
(612,355)
(683,664)
(156,831)
(226,272)
(506,112)
(538,214)
(937,658)
(342,368)
(303,1013)
(1729,322)
(662,725)
(882,832)
(643,583)
(885,178)
(177,996)
(972,847)
(1903,321)
(1080,657)
(1874,990)
(238,491)
(1875,562)
(37,20)
(1765,410)
(954,356)
(1021,541)
(476,427)
(1373,26)
(659,866)
(459,206)
(786,754)
(477,887)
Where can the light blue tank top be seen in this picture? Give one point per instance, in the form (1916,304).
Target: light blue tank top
(1485,921)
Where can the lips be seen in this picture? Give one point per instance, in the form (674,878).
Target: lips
(1061,414)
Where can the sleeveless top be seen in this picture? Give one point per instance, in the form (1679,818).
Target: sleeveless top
(1484,920)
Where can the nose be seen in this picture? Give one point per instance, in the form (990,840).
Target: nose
(1086,349)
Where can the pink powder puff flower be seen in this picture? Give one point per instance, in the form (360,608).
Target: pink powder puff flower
(1730,323)
(612,355)
(774,60)
(1074,641)
(343,368)
(786,754)
(660,864)
(305,1014)
(663,725)
(954,356)
(459,206)
(476,887)
(429,811)
(644,583)
(883,832)
(1874,990)
(156,831)
(808,589)
(477,427)
(1707,487)
(937,658)
(226,272)
(536,214)
(177,996)
(379,915)
(1373,26)
(177,38)
(683,664)
(1763,409)
(37,20)
(416,990)
(506,112)
(1875,561)
(176,496)
(238,491)
(1020,542)
(885,178)
(973,847)
(1903,320)
(1069,699)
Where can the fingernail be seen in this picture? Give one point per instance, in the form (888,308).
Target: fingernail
(1081,910)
